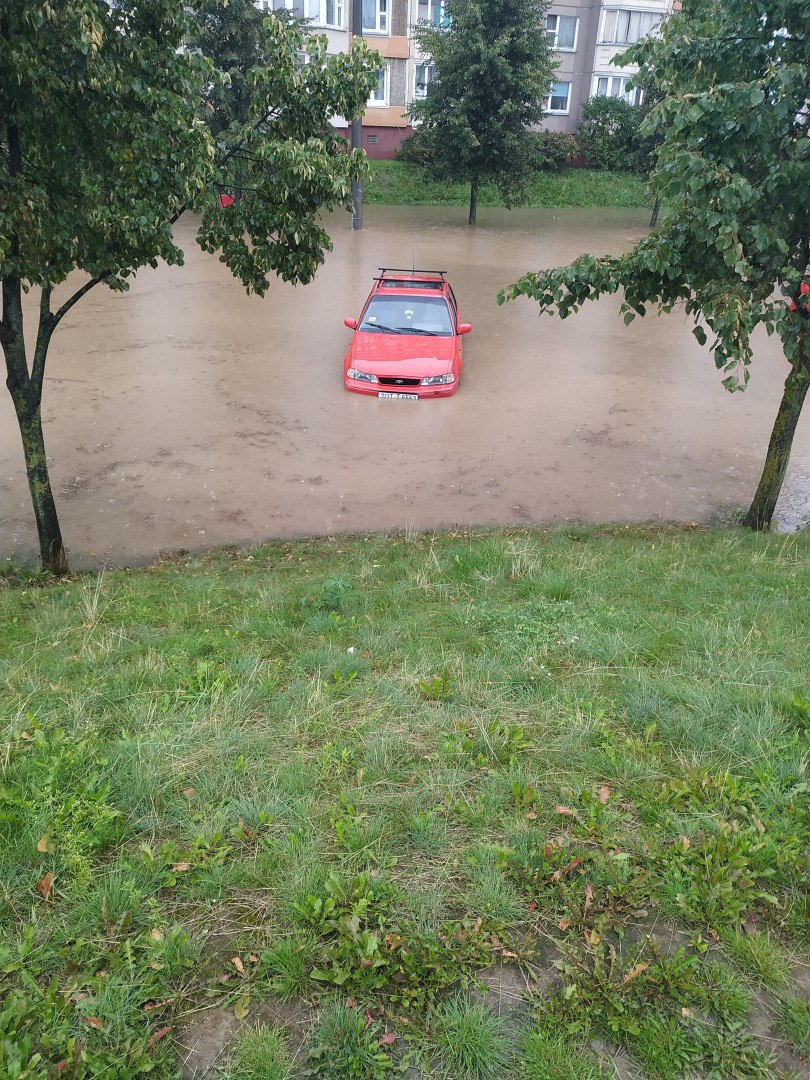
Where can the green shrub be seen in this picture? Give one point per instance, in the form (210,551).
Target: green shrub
(550,151)
(609,134)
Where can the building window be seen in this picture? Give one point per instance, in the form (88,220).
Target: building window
(375,16)
(371,140)
(622,27)
(325,12)
(432,11)
(424,76)
(556,101)
(294,6)
(616,86)
(561,31)
(379,95)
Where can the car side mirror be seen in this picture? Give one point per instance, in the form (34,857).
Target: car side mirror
(351,323)
(464,328)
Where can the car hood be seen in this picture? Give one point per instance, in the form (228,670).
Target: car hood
(402,355)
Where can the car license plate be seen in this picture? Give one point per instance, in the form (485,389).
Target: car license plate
(405,397)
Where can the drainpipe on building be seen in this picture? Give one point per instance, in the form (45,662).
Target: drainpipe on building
(357,125)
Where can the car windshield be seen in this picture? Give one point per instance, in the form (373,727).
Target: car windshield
(407,315)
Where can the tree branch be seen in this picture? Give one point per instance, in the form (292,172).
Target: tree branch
(57,317)
(65,308)
(43,340)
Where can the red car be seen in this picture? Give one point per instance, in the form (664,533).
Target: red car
(407,342)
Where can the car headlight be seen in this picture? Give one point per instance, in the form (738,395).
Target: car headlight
(439,380)
(361,376)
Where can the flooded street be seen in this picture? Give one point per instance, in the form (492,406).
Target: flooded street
(186,414)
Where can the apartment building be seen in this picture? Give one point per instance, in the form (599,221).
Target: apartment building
(584,34)
(386,28)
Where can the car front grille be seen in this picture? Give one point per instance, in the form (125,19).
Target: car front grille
(398,382)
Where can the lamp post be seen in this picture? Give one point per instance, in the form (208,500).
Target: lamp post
(357,125)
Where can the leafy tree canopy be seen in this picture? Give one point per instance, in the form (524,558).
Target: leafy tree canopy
(231,35)
(494,68)
(101,149)
(734,169)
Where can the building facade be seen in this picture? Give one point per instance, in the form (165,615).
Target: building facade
(584,34)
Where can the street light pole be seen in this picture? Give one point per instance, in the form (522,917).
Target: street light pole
(357,125)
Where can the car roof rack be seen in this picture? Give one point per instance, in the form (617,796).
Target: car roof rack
(404,270)
(411,279)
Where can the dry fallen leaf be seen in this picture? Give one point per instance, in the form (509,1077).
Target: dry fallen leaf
(563,810)
(189,792)
(634,971)
(44,886)
(240,1009)
(94,1022)
(180,866)
(603,794)
(389,1038)
(237,963)
(150,1042)
(563,924)
(588,895)
(566,869)
(685,842)
(157,935)
(46,845)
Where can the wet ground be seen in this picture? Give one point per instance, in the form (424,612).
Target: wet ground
(186,414)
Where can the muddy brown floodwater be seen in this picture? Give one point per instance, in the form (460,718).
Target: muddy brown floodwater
(186,414)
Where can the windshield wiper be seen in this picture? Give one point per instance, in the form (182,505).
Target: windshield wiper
(419,330)
(380,326)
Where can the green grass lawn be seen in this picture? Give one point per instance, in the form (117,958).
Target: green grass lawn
(327,787)
(395,183)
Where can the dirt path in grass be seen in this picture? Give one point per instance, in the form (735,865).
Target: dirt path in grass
(186,414)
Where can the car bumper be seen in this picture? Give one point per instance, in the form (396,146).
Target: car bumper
(373,389)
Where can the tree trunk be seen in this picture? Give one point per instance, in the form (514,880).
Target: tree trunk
(473,201)
(655,213)
(51,548)
(26,393)
(760,513)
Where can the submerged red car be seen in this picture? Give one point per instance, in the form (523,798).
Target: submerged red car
(407,341)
